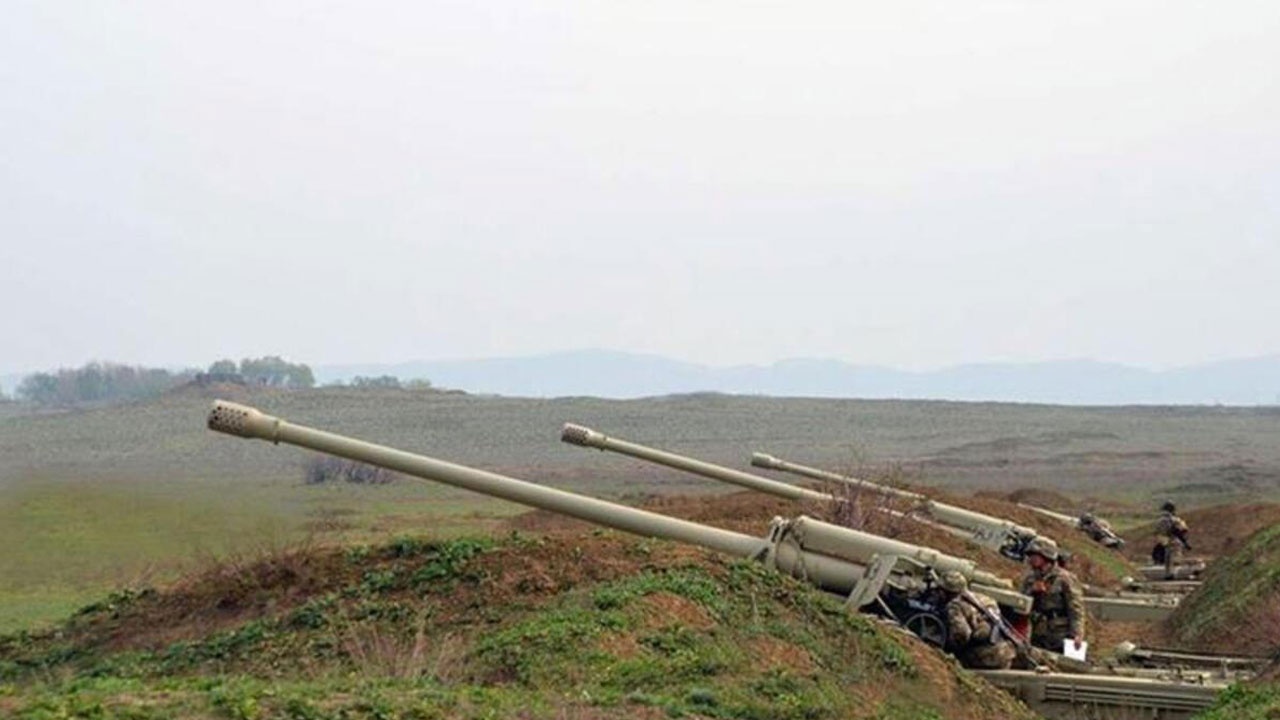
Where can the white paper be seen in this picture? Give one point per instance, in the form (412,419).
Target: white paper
(1069,649)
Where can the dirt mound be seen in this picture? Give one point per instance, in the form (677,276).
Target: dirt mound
(591,625)
(1214,531)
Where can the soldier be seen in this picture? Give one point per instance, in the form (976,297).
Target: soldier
(1171,539)
(973,632)
(1099,529)
(1057,610)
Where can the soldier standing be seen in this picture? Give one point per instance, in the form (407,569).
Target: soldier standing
(973,632)
(1171,539)
(1057,610)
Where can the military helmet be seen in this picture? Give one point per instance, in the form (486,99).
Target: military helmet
(1088,518)
(1168,506)
(953,581)
(1044,547)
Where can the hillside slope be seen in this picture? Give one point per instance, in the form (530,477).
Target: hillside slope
(1237,608)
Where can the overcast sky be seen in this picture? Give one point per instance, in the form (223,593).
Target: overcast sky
(914,184)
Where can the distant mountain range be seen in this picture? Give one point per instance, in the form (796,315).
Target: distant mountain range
(610,374)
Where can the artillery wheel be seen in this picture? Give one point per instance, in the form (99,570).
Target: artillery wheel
(928,628)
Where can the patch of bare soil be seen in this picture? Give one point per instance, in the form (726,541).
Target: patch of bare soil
(621,645)
(230,592)
(664,609)
(1105,636)
(770,653)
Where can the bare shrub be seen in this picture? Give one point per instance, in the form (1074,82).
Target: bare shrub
(381,653)
(321,469)
(257,572)
(861,506)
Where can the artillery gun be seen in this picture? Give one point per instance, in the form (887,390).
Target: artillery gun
(1096,528)
(873,573)
(870,571)
(1009,539)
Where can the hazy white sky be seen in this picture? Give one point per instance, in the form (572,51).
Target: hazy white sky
(906,183)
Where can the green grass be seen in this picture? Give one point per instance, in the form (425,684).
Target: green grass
(1252,701)
(68,542)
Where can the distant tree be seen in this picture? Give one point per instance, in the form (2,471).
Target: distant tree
(300,375)
(277,372)
(39,388)
(419,384)
(382,381)
(223,367)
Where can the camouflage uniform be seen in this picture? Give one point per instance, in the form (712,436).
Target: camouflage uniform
(1057,610)
(972,636)
(1168,547)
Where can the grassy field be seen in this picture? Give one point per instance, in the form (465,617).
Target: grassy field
(1134,449)
(93,499)
(68,542)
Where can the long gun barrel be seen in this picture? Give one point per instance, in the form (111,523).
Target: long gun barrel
(583,436)
(835,559)
(769,462)
(1098,530)
(1006,537)
(586,437)
(1060,517)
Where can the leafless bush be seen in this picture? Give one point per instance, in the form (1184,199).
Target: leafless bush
(380,653)
(321,469)
(862,506)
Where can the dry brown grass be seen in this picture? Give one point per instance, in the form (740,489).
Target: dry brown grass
(376,652)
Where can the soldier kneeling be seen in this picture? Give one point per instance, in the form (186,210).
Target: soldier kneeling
(972,633)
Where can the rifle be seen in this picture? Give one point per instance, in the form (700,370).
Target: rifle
(1180,534)
(1031,656)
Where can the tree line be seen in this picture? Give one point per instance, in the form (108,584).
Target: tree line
(270,370)
(385,382)
(99,382)
(105,382)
